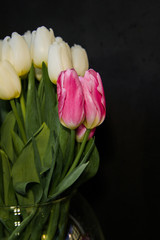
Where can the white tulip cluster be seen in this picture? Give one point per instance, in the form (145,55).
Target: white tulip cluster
(18,52)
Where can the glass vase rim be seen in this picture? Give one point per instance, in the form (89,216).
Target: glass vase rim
(40,204)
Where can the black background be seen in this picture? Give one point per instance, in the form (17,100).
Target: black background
(122,39)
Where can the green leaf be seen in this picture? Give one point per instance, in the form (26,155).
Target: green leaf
(5,108)
(93,165)
(56,176)
(41,97)
(33,195)
(17,143)
(64,140)
(89,148)
(49,175)
(47,159)
(6,176)
(23,225)
(63,219)
(37,159)
(68,180)
(39,221)
(53,220)
(91,169)
(24,170)
(7,218)
(6,136)
(1,182)
(33,118)
(50,109)
(28,199)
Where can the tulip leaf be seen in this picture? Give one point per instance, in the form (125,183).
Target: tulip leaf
(4,106)
(6,175)
(22,226)
(39,221)
(50,108)
(1,181)
(7,218)
(33,195)
(49,175)
(24,170)
(9,197)
(33,119)
(92,166)
(58,157)
(6,137)
(89,148)
(54,220)
(41,97)
(68,180)
(17,143)
(40,170)
(64,140)
(49,150)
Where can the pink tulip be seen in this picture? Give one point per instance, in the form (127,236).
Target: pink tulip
(80,132)
(95,104)
(70,99)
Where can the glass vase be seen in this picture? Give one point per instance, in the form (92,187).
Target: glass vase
(69,218)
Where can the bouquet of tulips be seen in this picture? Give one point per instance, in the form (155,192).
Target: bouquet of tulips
(50,105)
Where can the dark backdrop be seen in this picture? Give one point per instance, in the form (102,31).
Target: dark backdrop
(123,44)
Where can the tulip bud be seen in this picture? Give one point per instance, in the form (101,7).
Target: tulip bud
(79,59)
(10,85)
(16,51)
(70,99)
(59,59)
(42,38)
(95,104)
(80,132)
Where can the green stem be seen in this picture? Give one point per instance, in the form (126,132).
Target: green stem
(53,221)
(23,107)
(20,125)
(24,223)
(80,151)
(71,153)
(63,219)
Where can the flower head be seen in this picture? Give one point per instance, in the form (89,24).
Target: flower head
(10,85)
(59,59)
(79,59)
(95,104)
(70,99)
(15,50)
(80,132)
(42,38)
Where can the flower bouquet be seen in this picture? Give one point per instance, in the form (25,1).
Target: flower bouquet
(50,105)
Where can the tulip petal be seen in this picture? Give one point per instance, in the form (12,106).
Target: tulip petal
(70,99)
(10,85)
(80,132)
(95,105)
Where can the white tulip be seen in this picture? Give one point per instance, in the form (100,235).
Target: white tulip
(10,85)
(58,39)
(1,41)
(38,73)
(59,59)
(28,38)
(42,38)
(79,59)
(16,51)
